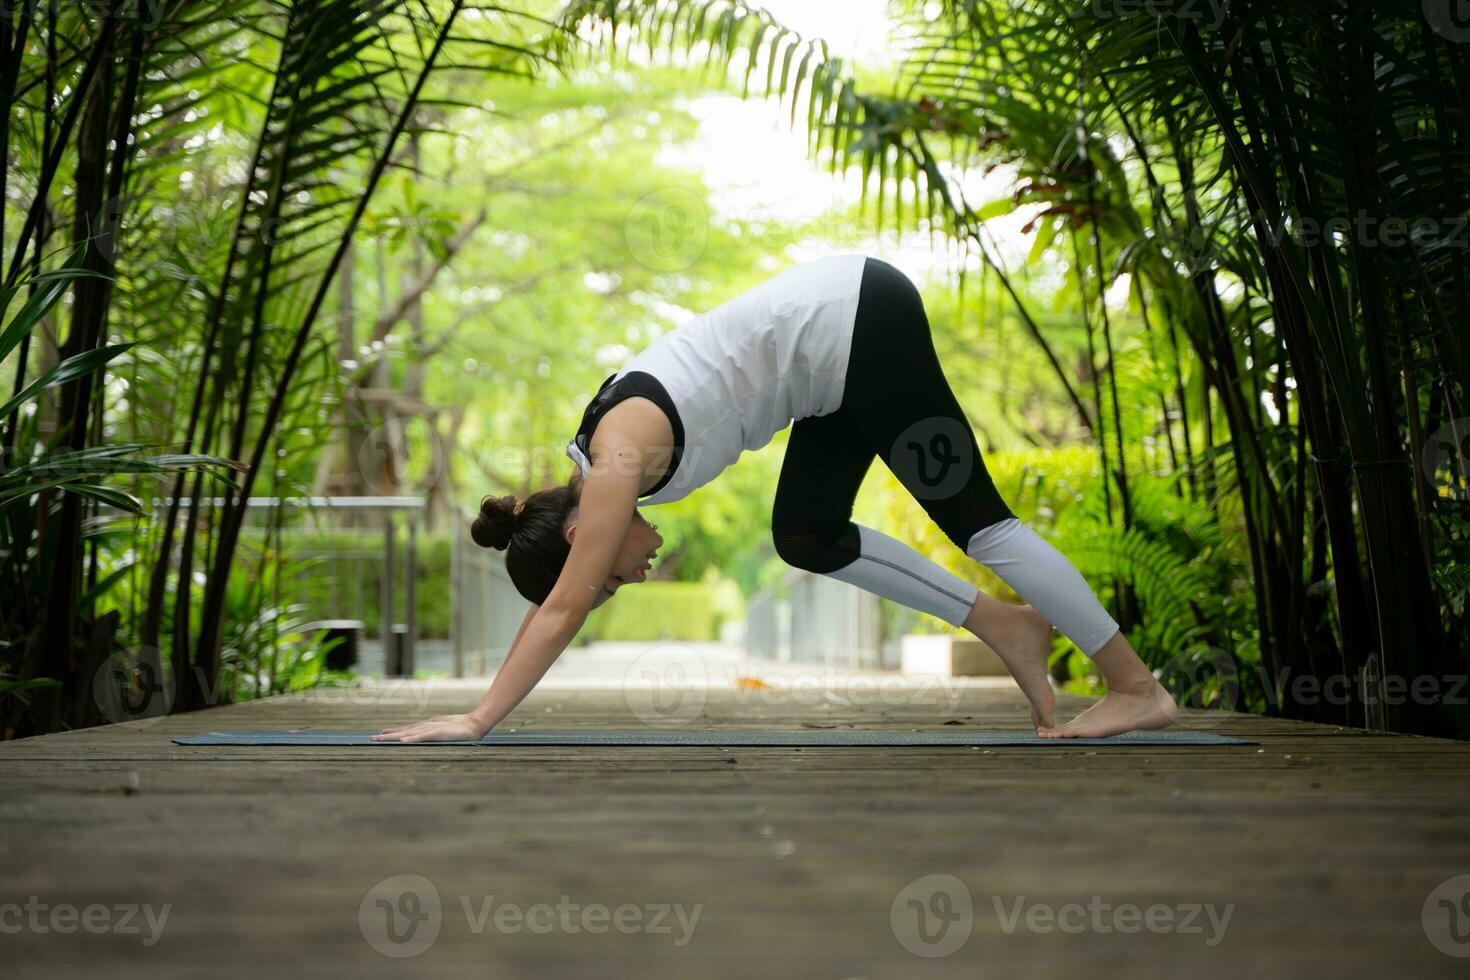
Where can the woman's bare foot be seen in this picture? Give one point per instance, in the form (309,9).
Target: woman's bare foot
(1120,711)
(1021,636)
(1135,700)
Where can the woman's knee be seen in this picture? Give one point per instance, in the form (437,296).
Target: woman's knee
(818,550)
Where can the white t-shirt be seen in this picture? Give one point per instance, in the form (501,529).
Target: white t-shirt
(742,372)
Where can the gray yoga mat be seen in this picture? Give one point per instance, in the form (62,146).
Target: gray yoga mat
(1171,736)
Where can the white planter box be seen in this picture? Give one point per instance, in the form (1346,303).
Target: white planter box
(949,656)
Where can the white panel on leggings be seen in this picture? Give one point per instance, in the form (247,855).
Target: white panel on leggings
(1044,577)
(889,568)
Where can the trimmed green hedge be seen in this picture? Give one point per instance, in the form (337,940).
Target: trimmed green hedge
(656,611)
(347,587)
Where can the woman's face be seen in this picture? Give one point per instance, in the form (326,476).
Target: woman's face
(640,545)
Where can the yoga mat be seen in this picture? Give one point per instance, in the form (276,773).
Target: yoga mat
(1169,736)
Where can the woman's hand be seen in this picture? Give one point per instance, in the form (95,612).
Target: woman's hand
(440,728)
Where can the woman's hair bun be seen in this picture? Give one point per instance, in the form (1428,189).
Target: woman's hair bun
(492,529)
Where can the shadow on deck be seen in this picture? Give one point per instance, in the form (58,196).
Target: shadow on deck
(1313,853)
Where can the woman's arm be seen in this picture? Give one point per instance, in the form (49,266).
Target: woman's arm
(525,621)
(547,635)
(543,636)
(515,644)
(605,512)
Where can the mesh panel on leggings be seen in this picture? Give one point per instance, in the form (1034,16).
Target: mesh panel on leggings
(819,552)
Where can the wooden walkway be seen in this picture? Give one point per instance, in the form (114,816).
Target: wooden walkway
(1311,854)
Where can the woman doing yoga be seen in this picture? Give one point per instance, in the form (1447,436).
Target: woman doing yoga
(841,348)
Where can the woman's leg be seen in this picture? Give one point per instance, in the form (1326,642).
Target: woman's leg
(811,524)
(900,402)
(826,460)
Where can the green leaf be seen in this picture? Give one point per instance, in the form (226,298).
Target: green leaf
(68,370)
(97,591)
(50,288)
(996,208)
(107,495)
(1046,233)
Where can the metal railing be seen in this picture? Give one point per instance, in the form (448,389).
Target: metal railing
(768,626)
(487,608)
(397,635)
(825,621)
(834,623)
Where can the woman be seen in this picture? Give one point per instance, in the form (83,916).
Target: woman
(841,346)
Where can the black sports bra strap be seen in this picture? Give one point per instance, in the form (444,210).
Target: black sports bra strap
(609,394)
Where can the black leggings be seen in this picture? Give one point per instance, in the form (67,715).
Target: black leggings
(897,405)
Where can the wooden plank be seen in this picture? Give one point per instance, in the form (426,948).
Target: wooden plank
(1323,842)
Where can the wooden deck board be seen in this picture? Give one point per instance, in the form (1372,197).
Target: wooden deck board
(1325,841)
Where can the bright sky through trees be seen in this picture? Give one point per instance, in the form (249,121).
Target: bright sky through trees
(757,166)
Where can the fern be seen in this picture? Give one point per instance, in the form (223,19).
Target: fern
(1164,557)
